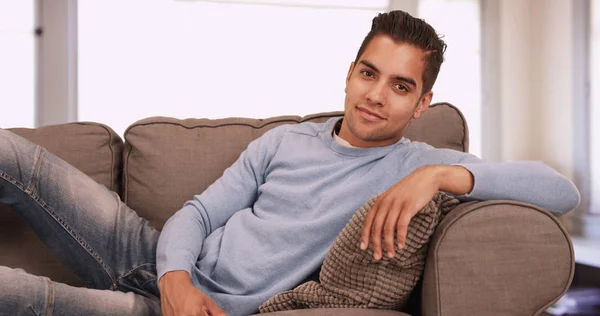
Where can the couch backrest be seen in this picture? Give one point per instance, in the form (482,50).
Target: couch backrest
(92,148)
(167,160)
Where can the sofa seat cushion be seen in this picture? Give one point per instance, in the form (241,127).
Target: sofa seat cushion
(337,312)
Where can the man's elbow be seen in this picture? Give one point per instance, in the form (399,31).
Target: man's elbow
(569,199)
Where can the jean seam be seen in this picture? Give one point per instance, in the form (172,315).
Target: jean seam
(31,187)
(49,297)
(44,206)
(33,310)
(132,271)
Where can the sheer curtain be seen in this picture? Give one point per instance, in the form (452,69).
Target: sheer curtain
(17,63)
(595,108)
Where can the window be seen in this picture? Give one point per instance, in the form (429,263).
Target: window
(459,81)
(248,58)
(206,59)
(17,64)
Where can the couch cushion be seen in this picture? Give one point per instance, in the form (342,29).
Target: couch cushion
(94,149)
(337,312)
(167,160)
(441,126)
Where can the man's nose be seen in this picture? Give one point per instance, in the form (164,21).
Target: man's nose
(376,93)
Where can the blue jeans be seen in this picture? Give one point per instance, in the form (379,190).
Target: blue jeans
(105,243)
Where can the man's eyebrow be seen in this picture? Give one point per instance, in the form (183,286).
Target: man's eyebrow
(368,64)
(397,78)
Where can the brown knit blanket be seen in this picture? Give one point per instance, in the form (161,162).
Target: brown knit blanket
(351,278)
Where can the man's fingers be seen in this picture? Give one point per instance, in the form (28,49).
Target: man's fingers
(377,227)
(367,223)
(402,228)
(389,229)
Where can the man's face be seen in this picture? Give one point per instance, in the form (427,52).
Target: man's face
(383,93)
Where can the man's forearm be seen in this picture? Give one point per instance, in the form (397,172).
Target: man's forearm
(525,181)
(180,242)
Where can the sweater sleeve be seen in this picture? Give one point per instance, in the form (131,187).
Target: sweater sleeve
(181,239)
(532,182)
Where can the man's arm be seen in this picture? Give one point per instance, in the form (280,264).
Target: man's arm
(394,208)
(181,239)
(531,182)
(469,179)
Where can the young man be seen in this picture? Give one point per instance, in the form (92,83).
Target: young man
(268,222)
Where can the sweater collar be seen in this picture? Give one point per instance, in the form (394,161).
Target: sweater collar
(327,137)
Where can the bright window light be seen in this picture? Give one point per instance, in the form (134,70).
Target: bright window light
(17,64)
(459,81)
(218,59)
(141,58)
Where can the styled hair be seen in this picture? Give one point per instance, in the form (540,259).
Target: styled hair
(404,28)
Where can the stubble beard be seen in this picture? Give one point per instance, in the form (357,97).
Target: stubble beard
(374,134)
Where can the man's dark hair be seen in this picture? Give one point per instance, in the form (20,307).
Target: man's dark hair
(404,28)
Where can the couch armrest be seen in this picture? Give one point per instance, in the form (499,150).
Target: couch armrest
(497,258)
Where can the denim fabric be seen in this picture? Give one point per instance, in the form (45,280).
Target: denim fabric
(108,246)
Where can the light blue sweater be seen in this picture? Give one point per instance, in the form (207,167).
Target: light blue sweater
(269,221)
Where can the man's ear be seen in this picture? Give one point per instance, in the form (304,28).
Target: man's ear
(348,76)
(424,103)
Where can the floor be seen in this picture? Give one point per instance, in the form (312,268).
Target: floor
(583,297)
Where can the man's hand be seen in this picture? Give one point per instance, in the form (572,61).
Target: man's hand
(394,208)
(178,296)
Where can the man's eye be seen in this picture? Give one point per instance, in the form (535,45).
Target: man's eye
(367,73)
(401,87)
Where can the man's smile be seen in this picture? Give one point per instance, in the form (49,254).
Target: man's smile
(369,115)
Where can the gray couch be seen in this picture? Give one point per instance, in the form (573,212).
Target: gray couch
(486,258)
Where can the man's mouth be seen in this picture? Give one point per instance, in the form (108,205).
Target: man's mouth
(369,115)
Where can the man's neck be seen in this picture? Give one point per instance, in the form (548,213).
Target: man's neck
(340,141)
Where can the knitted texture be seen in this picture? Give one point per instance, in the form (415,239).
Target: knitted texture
(351,278)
